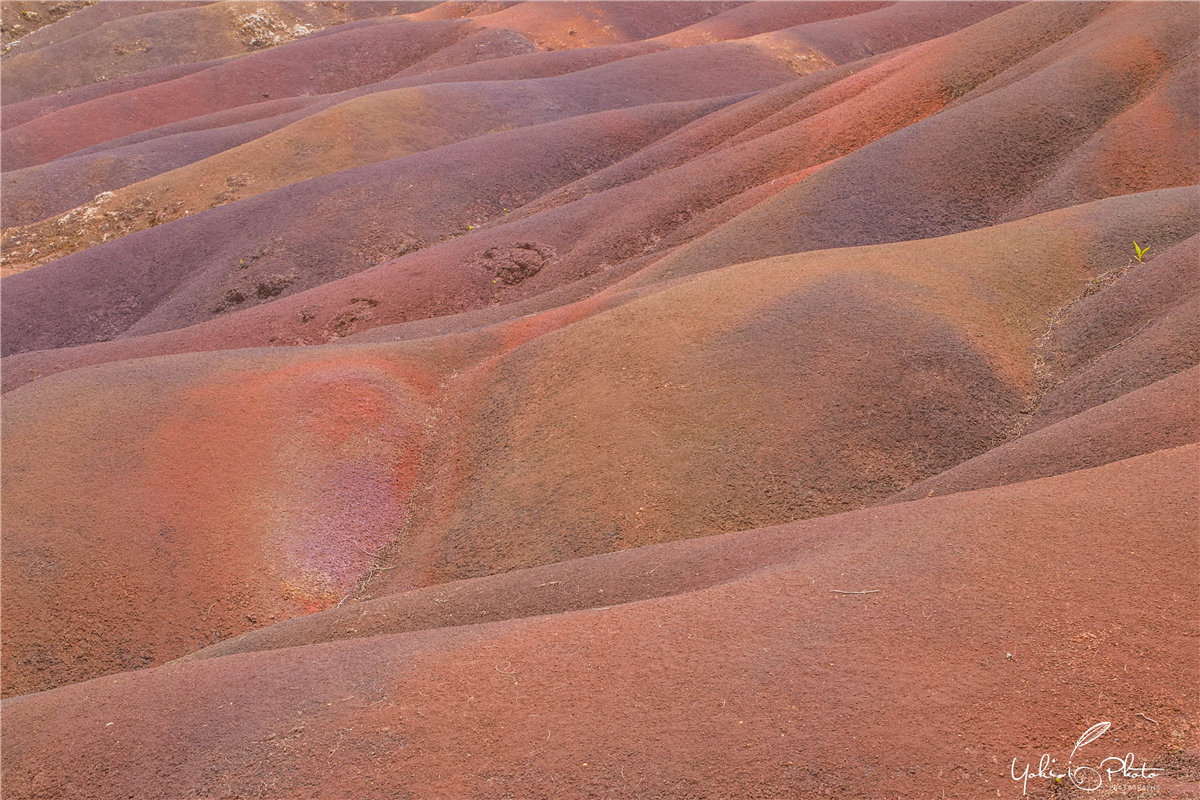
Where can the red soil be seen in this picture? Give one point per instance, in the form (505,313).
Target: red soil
(224,556)
(512,399)
(979,645)
(19,113)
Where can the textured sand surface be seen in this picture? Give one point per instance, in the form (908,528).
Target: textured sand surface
(599,399)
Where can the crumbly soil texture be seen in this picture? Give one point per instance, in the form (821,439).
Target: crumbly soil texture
(684,400)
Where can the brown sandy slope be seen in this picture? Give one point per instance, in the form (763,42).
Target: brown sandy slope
(176,537)
(1116,383)
(626,400)
(20,18)
(392,124)
(761,393)
(643,215)
(168,34)
(765,392)
(1141,329)
(1160,417)
(986,614)
(37,193)
(1163,415)
(80,17)
(33,194)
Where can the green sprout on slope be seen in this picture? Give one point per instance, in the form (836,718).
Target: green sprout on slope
(1141,251)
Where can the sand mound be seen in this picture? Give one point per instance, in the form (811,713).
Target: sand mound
(140,37)
(623,399)
(1157,417)
(1140,329)
(387,125)
(762,393)
(727,690)
(311,65)
(201,266)
(879,193)
(177,538)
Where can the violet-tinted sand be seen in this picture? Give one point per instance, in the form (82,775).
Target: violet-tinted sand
(615,399)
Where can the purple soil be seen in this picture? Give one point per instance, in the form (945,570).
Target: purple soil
(481,46)
(27,202)
(761,17)
(36,193)
(321,314)
(448,113)
(255,112)
(42,139)
(170,35)
(92,17)
(676,567)
(727,67)
(313,65)
(886,29)
(606,400)
(722,69)
(929,21)
(156,262)
(533,65)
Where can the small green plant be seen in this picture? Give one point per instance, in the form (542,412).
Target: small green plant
(1140,251)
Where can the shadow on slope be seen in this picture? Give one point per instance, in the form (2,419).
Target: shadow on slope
(774,390)
(301,236)
(386,125)
(1141,329)
(973,163)
(1162,415)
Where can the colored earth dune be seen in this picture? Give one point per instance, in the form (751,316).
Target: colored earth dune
(410,399)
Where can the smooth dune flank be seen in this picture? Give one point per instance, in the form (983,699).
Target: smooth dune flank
(600,399)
